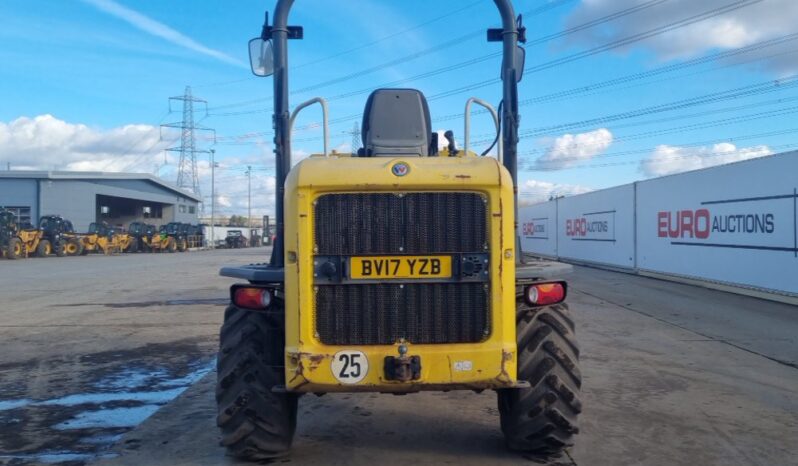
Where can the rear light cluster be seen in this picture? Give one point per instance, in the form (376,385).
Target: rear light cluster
(544,294)
(253,298)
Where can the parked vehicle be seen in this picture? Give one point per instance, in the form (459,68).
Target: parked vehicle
(235,239)
(141,235)
(103,238)
(61,235)
(397,269)
(18,243)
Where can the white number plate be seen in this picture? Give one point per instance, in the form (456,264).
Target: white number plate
(350,367)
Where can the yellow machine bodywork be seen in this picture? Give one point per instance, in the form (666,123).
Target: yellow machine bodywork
(94,242)
(488,364)
(30,242)
(160,242)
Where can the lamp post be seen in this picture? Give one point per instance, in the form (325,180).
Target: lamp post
(213,200)
(249,196)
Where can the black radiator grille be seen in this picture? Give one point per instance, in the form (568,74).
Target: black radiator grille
(412,223)
(421,313)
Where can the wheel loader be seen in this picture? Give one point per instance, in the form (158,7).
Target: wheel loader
(61,235)
(396,270)
(10,243)
(18,243)
(141,236)
(105,239)
(162,240)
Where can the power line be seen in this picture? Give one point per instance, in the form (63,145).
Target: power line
(483,58)
(450,43)
(609,46)
(580,90)
(391,36)
(744,91)
(448,68)
(692,126)
(584,54)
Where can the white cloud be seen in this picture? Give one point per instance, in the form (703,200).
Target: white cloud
(571,149)
(233,195)
(46,142)
(534,191)
(737,28)
(666,160)
(161,30)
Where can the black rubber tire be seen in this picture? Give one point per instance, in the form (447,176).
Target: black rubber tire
(15,249)
(59,248)
(171,245)
(256,423)
(44,248)
(542,419)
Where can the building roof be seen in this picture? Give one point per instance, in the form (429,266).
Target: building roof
(70,175)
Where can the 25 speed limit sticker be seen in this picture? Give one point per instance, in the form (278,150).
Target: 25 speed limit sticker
(350,367)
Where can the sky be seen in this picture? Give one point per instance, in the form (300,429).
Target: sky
(614,91)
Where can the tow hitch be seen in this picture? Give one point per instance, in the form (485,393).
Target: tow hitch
(403,368)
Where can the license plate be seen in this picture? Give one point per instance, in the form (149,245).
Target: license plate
(388,267)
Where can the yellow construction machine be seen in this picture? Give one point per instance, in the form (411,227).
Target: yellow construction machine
(105,239)
(164,240)
(17,243)
(396,270)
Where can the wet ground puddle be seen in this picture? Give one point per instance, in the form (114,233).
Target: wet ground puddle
(83,426)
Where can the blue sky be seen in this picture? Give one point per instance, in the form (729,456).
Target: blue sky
(85,83)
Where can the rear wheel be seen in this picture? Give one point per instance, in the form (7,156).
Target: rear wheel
(542,419)
(44,248)
(14,249)
(171,245)
(182,245)
(60,248)
(72,248)
(256,423)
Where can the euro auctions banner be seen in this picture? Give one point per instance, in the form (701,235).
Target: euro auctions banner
(537,228)
(598,227)
(736,223)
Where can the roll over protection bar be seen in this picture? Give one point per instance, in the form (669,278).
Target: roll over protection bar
(279,32)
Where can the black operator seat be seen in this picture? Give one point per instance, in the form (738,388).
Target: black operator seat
(397,122)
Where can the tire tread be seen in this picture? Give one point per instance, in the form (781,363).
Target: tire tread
(542,419)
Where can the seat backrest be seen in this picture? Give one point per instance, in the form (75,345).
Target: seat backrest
(397,122)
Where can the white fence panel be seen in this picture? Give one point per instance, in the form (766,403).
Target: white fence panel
(538,228)
(598,227)
(735,223)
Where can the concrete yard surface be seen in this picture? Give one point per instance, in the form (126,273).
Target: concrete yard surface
(110,361)
(90,346)
(673,375)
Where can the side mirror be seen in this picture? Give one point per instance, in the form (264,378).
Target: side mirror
(261,58)
(520,59)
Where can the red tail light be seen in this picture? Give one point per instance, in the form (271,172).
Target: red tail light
(543,294)
(252,298)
